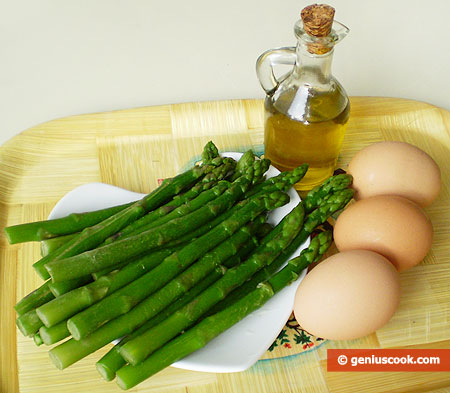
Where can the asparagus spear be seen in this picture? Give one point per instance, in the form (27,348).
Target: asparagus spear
(245,162)
(37,339)
(143,223)
(112,361)
(109,269)
(95,235)
(188,237)
(34,299)
(261,167)
(184,239)
(329,206)
(71,351)
(329,186)
(206,181)
(317,196)
(51,335)
(283,182)
(59,331)
(210,180)
(63,307)
(50,245)
(89,320)
(114,253)
(29,323)
(75,222)
(62,287)
(172,212)
(140,347)
(198,336)
(209,153)
(284,179)
(318,247)
(205,228)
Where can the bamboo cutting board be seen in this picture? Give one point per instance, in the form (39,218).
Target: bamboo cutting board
(132,149)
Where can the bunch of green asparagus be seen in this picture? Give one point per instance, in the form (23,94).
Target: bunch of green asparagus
(170,272)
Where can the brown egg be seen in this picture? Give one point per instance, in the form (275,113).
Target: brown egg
(392,226)
(395,168)
(349,295)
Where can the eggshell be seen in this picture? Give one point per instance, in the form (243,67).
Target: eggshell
(349,295)
(395,168)
(392,226)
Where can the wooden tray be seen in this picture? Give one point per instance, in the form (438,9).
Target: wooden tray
(133,148)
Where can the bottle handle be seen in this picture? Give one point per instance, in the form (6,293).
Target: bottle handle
(269,59)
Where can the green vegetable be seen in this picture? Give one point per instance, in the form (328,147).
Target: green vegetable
(71,351)
(209,153)
(62,287)
(112,361)
(317,248)
(170,260)
(284,181)
(93,236)
(122,301)
(75,222)
(139,348)
(63,307)
(175,212)
(109,269)
(329,206)
(50,245)
(263,230)
(89,320)
(51,335)
(114,253)
(198,336)
(333,184)
(34,299)
(29,323)
(37,339)
(246,161)
(208,181)
(261,167)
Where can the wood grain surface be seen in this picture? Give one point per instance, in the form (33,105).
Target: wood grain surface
(132,149)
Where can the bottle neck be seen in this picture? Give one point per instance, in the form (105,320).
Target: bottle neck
(311,68)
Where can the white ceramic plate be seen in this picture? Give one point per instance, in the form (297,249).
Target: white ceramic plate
(243,344)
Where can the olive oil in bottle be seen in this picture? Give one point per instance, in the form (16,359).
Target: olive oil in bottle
(306,112)
(317,141)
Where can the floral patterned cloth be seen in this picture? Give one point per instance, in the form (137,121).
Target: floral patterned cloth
(292,340)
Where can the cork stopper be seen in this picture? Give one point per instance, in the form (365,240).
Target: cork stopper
(318,19)
(317,22)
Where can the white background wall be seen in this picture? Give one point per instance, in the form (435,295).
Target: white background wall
(61,57)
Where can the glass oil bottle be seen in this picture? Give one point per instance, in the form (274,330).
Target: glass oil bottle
(306,110)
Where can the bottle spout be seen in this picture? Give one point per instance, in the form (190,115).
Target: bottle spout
(321,45)
(339,31)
